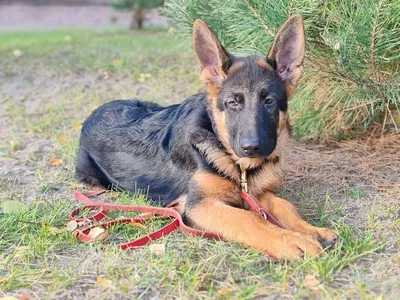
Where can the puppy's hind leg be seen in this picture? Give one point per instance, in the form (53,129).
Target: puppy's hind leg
(88,172)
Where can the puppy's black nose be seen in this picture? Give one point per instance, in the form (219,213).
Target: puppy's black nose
(250,146)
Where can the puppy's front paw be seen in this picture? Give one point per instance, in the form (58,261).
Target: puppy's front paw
(293,246)
(326,237)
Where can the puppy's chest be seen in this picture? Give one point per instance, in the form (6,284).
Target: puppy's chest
(267,177)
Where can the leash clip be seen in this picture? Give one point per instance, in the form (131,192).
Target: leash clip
(243,181)
(263,214)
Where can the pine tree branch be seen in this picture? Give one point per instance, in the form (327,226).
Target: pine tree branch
(362,83)
(257,15)
(291,8)
(391,116)
(373,37)
(346,90)
(377,88)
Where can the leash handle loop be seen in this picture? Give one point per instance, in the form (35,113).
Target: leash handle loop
(99,219)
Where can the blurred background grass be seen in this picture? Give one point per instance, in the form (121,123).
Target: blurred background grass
(351,85)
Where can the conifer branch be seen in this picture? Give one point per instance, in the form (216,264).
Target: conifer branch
(291,8)
(351,76)
(373,36)
(257,15)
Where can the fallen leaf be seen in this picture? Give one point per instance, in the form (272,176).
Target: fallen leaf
(396,117)
(171,273)
(12,146)
(72,225)
(8,298)
(76,127)
(54,230)
(106,75)
(312,283)
(24,297)
(224,292)
(115,195)
(61,138)
(143,77)
(264,291)
(56,162)
(76,186)
(157,249)
(13,207)
(127,283)
(17,53)
(31,131)
(137,224)
(104,283)
(98,234)
(15,146)
(20,251)
(136,277)
(117,62)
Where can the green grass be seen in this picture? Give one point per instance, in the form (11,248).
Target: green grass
(199,267)
(355,193)
(94,50)
(148,58)
(37,260)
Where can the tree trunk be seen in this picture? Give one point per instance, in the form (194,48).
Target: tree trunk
(137,19)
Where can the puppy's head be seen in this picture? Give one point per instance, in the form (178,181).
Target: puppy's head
(248,95)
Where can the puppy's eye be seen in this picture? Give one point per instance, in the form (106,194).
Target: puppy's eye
(269,100)
(235,101)
(265,98)
(239,98)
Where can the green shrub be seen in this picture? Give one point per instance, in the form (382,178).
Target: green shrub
(351,79)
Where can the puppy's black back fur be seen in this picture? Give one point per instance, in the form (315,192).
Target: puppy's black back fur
(139,146)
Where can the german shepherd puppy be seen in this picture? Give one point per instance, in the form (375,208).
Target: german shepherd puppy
(195,151)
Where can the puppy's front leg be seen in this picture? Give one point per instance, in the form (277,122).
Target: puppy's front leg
(287,214)
(213,204)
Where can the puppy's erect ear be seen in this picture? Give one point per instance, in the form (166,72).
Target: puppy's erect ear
(211,56)
(288,50)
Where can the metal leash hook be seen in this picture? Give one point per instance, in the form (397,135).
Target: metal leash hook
(252,201)
(245,189)
(243,180)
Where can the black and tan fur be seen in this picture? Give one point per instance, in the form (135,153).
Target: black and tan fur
(194,151)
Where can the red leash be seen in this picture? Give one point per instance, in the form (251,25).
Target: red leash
(83,227)
(99,219)
(258,209)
